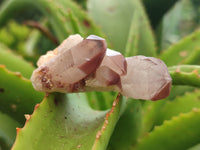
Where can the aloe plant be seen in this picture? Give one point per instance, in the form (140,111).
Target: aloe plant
(99,120)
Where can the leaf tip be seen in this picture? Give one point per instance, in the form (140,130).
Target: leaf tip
(18,130)
(2,66)
(196,73)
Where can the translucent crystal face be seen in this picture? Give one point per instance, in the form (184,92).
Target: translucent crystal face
(148,77)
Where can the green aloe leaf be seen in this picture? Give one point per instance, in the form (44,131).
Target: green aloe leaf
(185,104)
(193,58)
(183,18)
(184,128)
(150,111)
(128,127)
(65,17)
(14,62)
(140,39)
(7,131)
(14,35)
(100,100)
(119,20)
(103,135)
(61,122)
(154,113)
(179,90)
(185,75)
(17,96)
(182,51)
(196,147)
(81,20)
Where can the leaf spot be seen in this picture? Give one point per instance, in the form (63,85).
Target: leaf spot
(2,90)
(183,53)
(86,23)
(56,101)
(14,107)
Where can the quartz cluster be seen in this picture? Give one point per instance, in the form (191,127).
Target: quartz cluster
(82,65)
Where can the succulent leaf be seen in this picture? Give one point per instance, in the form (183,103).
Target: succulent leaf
(181,51)
(14,62)
(185,75)
(179,21)
(161,137)
(185,104)
(65,17)
(119,25)
(16,101)
(76,125)
(7,131)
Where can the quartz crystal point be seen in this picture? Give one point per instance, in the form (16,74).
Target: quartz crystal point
(81,65)
(65,69)
(108,76)
(146,78)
